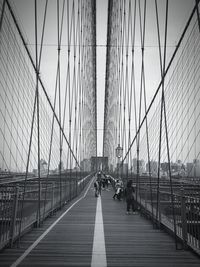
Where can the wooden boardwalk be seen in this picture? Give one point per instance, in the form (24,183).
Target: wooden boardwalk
(130,240)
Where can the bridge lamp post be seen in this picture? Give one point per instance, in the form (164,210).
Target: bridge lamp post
(119,152)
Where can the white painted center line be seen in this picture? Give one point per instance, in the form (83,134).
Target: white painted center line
(99,250)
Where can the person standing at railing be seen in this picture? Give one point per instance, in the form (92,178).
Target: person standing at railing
(129,194)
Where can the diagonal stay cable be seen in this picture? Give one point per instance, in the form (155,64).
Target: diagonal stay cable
(159,86)
(2,14)
(39,78)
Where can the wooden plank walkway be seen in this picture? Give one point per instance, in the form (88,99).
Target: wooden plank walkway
(130,240)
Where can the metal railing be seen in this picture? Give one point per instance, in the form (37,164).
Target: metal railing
(163,208)
(19,209)
(185,207)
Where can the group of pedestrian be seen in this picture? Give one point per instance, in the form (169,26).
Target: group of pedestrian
(128,193)
(101,183)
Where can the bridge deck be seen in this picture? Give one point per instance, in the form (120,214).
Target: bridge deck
(130,240)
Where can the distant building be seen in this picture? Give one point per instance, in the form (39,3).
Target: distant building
(175,168)
(164,166)
(136,164)
(189,168)
(122,168)
(153,168)
(196,167)
(43,168)
(193,168)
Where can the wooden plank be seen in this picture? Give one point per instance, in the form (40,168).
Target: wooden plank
(130,240)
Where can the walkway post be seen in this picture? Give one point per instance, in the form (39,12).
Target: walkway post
(183,219)
(14,215)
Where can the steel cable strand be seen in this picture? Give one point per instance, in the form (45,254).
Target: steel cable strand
(179,127)
(71,95)
(2,14)
(159,86)
(16,95)
(41,83)
(130,91)
(36,103)
(166,131)
(142,38)
(145,104)
(24,137)
(59,102)
(186,126)
(10,115)
(76,123)
(3,156)
(162,68)
(167,93)
(187,101)
(125,80)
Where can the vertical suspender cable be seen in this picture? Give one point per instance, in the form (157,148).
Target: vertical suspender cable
(38,115)
(42,38)
(164,74)
(41,83)
(59,103)
(133,71)
(140,107)
(163,107)
(129,93)
(145,104)
(160,56)
(39,63)
(31,135)
(125,83)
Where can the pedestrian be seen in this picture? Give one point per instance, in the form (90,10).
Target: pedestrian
(117,190)
(129,194)
(100,184)
(106,182)
(96,188)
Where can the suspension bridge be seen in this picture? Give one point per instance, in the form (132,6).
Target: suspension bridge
(49,133)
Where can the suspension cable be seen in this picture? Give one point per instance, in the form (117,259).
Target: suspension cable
(159,86)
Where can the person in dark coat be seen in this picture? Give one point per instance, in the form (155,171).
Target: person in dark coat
(96,188)
(129,194)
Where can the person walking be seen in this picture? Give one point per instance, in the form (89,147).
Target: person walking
(129,194)
(96,188)
(118,189)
